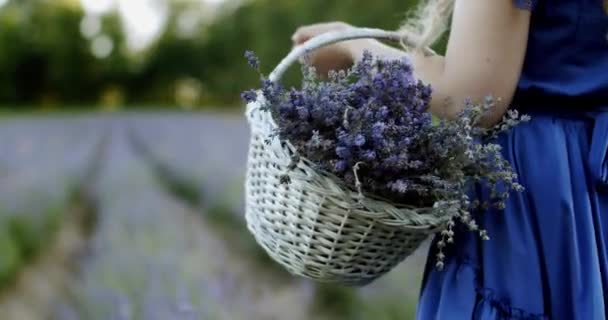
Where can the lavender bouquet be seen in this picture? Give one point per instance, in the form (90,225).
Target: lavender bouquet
(370,127)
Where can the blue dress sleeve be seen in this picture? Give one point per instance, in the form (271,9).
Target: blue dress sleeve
(525,4)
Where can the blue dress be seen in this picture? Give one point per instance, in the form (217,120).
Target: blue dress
(548,253)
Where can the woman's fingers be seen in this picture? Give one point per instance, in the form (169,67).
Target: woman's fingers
(300,37)
(304,33)
(334,57)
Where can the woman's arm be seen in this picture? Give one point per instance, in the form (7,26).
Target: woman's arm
(484,56)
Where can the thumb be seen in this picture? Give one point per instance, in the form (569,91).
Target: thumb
(299,38)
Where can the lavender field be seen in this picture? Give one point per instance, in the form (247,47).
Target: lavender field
(140,216)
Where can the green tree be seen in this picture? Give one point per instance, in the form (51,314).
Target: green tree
(45,58)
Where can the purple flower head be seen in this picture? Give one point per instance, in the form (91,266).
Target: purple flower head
(426,91)
(359,140)
(378,130)
(296,98)
(286,109)
(405,142)
(303,113)
(343,137)
(343,152)
(249,96)
(340,166)
(416,164)
(379,82)
(273,92)
(400,186)
(252,60)
(383,113)
(406,63)
(365,67)
(369,155)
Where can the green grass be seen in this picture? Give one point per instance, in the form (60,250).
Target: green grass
(10,259)
(22,237)
(25,234)
(390,309)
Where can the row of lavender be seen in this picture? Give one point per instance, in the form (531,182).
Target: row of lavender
(151,254)
(151,257)
(42,164)
(203,152)
(206,155)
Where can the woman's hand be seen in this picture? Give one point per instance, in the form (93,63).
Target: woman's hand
(338,56)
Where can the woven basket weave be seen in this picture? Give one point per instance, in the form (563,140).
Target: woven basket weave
(315,226)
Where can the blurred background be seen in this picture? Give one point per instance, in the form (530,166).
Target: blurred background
(122,156)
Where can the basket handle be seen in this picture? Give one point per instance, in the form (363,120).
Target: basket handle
(339,36)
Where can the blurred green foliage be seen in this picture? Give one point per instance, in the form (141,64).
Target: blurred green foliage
(10,259)
(22,236)
(46,61)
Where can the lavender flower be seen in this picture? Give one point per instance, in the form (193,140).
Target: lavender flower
(249,96)
(359,140)
(252,60)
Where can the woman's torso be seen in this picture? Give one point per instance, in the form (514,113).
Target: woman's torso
(566,62)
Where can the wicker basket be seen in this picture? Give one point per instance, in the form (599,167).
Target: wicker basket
(314,226)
